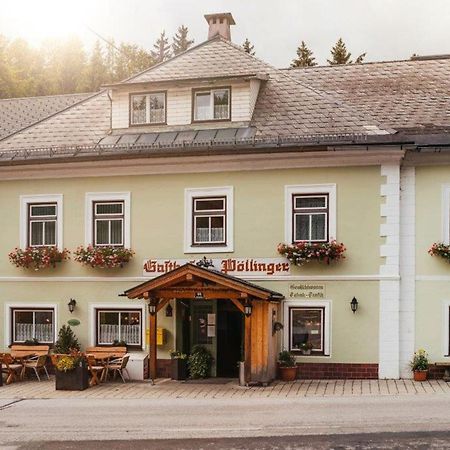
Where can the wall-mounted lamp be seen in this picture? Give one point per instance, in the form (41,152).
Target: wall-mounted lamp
(354,304)
(152,308)
(199,296)
(169,310)
(248,309)
(72,303)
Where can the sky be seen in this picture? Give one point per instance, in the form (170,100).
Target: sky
(385,29)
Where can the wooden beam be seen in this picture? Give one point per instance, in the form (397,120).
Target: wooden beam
(189,292)
(248,349)
(153,348)
(162,303)
(146,295)
(238,304)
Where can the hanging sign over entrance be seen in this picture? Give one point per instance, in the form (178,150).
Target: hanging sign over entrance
(266,267)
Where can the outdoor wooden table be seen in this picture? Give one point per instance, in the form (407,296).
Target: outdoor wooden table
(102,359)
(8,361)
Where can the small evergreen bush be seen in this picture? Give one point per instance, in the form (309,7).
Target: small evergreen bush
(200,362)
(67,341)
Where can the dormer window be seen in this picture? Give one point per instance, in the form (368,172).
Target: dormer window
(148,109)
(212,104)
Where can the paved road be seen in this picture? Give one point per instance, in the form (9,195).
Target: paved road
(172,418)
(430,440)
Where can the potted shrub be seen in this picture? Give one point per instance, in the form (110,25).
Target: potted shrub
(178,368)
(419,365)
(287,366)
(67,341)
(200,362)
(71,373)
(305,348)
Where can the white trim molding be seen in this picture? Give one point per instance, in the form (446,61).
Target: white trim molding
(290,190)
(189,195)
(25,200)
(389,329)
(446,213)
(445,328)
(116,306)
(287,304)
(10,306)
(407,315)
(107,197)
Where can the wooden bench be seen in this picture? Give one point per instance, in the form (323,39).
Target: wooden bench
(20,351)
(446,366)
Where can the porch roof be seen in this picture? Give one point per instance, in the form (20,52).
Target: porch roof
(183,279)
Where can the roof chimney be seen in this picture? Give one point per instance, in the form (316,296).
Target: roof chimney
(220,24)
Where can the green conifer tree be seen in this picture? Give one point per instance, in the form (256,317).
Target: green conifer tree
(161,48)
(180,41)
(97,72)
(339,54)
(248,47)
(304,58)
(67,340)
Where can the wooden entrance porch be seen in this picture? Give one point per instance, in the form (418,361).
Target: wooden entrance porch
(258,305)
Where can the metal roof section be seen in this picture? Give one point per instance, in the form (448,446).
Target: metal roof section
(156,144)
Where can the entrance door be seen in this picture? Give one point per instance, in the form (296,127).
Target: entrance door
(229,339)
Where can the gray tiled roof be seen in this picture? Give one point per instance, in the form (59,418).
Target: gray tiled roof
(85,123)
(287,107)
(19,113)
(399,94)
(351,102)
(214,58)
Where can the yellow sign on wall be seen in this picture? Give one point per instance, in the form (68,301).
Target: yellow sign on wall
(160,336)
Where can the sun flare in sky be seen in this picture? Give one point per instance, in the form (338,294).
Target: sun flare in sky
(38,20)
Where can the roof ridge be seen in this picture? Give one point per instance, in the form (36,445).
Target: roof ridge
(96,94)
(46,96)
(367,63)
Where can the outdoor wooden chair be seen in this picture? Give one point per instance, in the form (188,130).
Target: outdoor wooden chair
(10,368)
(95,370)
(36,363)
(118,365)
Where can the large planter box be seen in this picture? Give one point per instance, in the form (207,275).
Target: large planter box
(178,369)
(72,380)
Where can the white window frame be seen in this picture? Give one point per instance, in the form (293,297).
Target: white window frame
(446,213)
(309,189)
(445,328)
(49,218)
(189,195)
(93,307)
(211,103)
(109,217)
(118,311)
(26,200)
(326,304)
(147,96)
(9,307)
(107,197)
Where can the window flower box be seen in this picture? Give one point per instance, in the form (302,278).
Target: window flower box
(304,252)
(440,249)
(104,257)
(38,258)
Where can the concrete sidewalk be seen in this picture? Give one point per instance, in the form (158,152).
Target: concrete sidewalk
(165,388)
